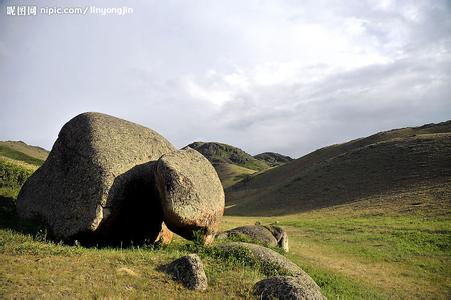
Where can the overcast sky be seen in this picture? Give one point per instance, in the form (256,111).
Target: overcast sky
(284,76)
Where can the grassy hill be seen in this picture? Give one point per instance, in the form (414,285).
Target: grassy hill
(233,164)
(273,159)
(385,163)
(17,162)
(372,213)
(218,153)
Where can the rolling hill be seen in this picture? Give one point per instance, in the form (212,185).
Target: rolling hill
(233,164)
(17,162)
(273,159)
(409,160)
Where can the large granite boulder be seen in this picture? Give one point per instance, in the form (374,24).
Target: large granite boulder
(189,271)
(252,233)
(191,194)
(98,182)
(286,288)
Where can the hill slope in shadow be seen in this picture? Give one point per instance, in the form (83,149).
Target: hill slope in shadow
(407,159)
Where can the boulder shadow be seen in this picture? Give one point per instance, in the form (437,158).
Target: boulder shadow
(9,219)
(133,215)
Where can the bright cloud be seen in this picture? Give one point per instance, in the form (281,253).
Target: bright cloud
(287,76)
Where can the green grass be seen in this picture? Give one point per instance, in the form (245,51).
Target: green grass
(352,251)
(337,286)
(374,248)
(414,248)
(380,238)
(31,266)
(231,174)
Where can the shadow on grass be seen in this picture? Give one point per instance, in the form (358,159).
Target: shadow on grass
(9,219)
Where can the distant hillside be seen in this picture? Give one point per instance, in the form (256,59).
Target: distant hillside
(273,159)
(233,164)
(17,162)
(223,153)
(388,162)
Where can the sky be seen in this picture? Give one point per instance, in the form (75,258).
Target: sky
(284,76)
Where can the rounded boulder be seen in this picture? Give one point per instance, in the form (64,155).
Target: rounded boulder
(189,271)
(191,194)
(253,233)
(97,183)
(285,287)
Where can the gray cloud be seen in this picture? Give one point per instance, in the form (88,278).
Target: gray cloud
(262,75)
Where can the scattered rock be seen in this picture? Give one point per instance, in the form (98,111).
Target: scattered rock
(267,256)
(286,287)
(274,260)
(189,271)
(280,235)
(97,181)
(256,233)
(191,194)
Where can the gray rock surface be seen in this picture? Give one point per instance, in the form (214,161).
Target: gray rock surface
(192,196)
(189,271)
(286,288)
(280,235)
(96,180)
(255,233)
(274,260)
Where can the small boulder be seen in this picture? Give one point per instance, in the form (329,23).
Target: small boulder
(285,287)
(273,260)
(189,271)
(280,235)
(192,196)
(255,233)
(97,182)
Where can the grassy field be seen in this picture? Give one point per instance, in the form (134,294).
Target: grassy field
(397,246)
(31,266)
(388,246)
(370,249)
